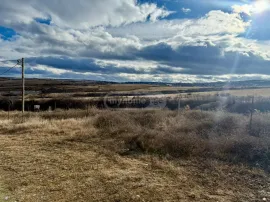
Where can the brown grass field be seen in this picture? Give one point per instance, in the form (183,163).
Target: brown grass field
(138,155)
(262,92)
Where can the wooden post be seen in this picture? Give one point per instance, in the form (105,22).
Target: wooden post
(251,115)
(179,104)
(23,86)
(8,110)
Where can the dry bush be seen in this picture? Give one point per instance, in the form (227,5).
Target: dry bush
(260,125)
(243,149)
(187,134)
(218,135)
(114,123)
(147,119)
(226,124)
(66,114)
(180,145)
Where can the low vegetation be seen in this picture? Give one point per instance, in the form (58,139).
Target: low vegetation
(217,135)
(134,155)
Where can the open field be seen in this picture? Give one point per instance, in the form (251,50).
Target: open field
(134,142)
(260,92)
(68,94)
(49,88)
(139,155)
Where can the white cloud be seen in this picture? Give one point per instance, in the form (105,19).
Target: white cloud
(130,64)
(214,23)
(212,38)
(185,78)
(79,14)
(49,69)
(186,10)
(246,8)
(256,7)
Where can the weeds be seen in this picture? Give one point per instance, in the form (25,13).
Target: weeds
(217,135)
(74,156)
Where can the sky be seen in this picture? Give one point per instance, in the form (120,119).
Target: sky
(137,40)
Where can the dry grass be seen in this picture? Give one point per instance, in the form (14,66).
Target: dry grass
(260,92)
(191,134)
(132,156)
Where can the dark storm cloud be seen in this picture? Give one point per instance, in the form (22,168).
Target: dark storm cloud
(206,60)
(78,65)
(194,60)
(81,65)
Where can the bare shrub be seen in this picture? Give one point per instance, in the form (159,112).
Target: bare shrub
(260,125)
(182,145)
(149,119)
(244,149)
(187,134)
(116,123)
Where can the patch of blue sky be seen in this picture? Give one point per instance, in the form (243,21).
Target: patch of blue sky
(259,29)
(198,8)
(7,33)
(46,21)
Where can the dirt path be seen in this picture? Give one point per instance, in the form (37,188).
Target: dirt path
(66,160)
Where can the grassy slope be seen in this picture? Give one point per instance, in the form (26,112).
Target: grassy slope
(68,157)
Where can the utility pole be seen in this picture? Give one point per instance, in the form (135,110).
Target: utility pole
(251,114)
(179,104)
(23,86)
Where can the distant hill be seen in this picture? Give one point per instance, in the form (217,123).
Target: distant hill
(230,84)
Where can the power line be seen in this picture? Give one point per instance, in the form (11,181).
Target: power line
(7,60)
(19,62)
(8,70)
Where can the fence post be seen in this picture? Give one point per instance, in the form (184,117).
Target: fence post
(251,114)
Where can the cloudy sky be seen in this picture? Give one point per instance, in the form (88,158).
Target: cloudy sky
(137,40)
